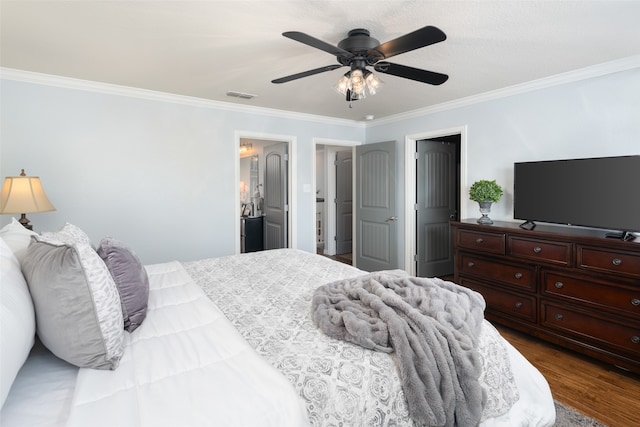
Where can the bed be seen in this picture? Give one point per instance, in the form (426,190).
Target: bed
(229,342)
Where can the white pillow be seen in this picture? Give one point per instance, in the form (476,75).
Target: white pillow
(17,319)
(68,234)
(17,238)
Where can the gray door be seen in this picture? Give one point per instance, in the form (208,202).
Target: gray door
(376,216)
(275,196)
(344,201)
(437,203)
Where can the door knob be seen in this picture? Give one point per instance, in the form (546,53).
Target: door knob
(392,218)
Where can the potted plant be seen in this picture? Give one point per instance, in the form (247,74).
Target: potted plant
(485,192)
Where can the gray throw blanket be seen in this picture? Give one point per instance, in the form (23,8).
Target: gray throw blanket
(432,325)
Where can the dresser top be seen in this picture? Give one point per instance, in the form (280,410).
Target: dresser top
(591,235)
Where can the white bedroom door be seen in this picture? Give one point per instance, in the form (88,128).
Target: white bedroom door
(376,215)
(276,207)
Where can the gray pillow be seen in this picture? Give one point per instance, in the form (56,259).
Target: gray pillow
(78,314)
(131,280)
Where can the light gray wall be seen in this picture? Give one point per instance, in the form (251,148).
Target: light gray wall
(595,117)
(158,175)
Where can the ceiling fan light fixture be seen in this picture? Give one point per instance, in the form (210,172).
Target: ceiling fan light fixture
(358,83)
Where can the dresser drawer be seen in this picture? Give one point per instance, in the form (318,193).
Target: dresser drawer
(521,276)
(609,261)
(486,242)
(591,291)
(625,336)
(509,303)
(540,250)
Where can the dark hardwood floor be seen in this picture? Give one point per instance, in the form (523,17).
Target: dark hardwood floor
(601,391)
(343,258)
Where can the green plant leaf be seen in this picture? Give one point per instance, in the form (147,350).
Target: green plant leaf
(485,191)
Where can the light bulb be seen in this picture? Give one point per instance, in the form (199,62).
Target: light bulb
(343,84)
(357,83)
(373,83)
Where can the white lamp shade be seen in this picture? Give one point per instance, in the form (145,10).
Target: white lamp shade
(23,194)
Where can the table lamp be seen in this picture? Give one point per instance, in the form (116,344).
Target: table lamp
(22,195)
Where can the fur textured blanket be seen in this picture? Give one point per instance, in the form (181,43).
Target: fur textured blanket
(432,325)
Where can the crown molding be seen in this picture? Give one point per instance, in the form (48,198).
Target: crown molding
(611,67)
(107,88)
(112,89)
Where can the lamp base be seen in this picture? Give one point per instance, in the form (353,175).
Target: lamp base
(25,222)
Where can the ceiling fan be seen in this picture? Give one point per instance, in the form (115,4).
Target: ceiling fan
(359,50)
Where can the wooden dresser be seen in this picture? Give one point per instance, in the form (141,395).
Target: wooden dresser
(567,285)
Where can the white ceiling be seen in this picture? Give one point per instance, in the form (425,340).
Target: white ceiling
(205,48)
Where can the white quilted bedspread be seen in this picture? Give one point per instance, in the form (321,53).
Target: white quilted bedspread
(267,297)
(185,366)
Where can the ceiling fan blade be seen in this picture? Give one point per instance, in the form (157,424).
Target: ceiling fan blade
(416,74)
(318,44)
(419,38)
(306,73)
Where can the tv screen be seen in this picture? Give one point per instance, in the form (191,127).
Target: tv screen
(598,192)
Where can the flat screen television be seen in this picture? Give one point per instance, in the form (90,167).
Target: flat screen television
(599,192)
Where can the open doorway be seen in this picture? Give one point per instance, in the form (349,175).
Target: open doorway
(334,206)
(264,200)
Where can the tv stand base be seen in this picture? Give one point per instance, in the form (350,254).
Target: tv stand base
(627,236)
(528,225)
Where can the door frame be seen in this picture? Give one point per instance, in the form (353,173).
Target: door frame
(410,244)
(292,152)
(330,226)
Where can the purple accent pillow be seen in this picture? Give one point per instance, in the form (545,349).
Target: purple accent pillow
(131,280)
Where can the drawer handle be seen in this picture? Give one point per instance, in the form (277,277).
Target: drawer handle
(518,276)
(616,261)
(479,240)
(635,302)
(537,249)
(519,304)
(559,317)
(559,285)
(471,264)
(635,339)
